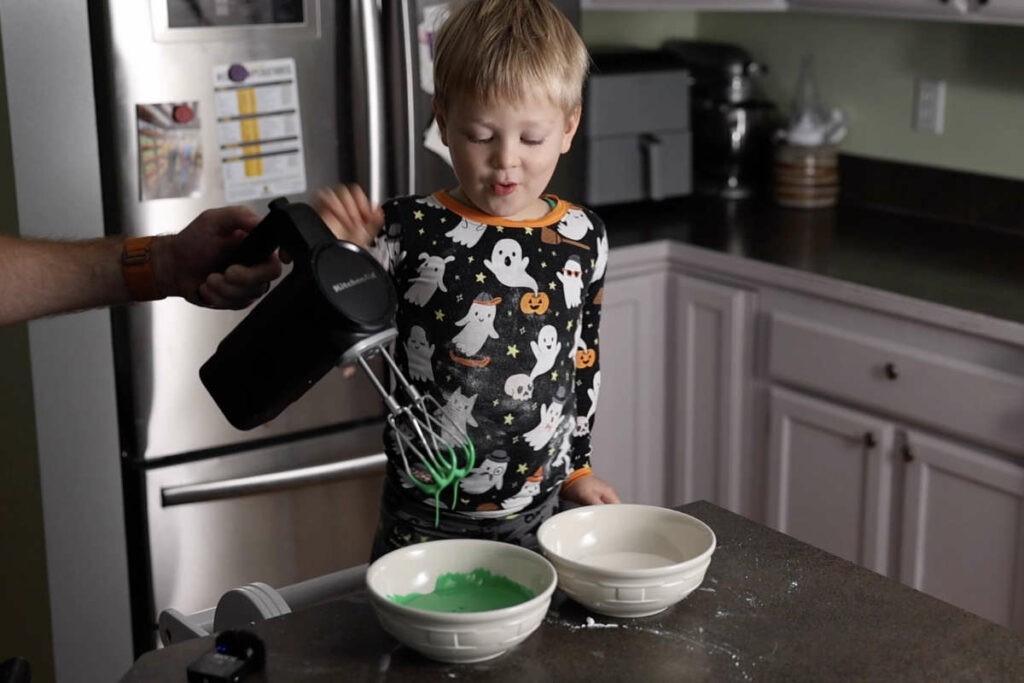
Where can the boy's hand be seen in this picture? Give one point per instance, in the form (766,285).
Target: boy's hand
(590,490)
(349,214)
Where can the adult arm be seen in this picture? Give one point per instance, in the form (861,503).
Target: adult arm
(43,277)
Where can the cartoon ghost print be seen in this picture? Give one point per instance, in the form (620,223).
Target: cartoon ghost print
(419,350)
(530,490)
(545,350)
(550,420)
(577,343)
(477,325)
(574,225)
(490,474)
(509,265)
(602,258)
(572,282)
(562,459)
(583,421)
(429,279)
(467,232)
(457,414)
(431,201)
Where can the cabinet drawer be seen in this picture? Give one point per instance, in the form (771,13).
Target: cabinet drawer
(960,398)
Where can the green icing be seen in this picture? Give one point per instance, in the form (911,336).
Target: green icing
(475,591)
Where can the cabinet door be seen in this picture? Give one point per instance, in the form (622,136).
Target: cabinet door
(685,4)
(937,9)
(707,349)
(829,477)
(629,435)
(963,528)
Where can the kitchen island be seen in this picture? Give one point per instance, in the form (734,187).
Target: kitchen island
(770,608)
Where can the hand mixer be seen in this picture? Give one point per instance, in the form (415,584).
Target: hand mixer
(336,307)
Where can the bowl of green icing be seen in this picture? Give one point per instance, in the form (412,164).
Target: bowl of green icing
(461,600)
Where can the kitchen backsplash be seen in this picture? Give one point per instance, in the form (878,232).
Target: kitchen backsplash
(868,66)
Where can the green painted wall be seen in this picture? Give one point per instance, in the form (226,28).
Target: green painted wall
(868,66)
(24,597)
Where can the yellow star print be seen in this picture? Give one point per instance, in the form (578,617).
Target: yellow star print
(480,277)
(512,351)
(522,469)
(509,418)
(552,286)
(568,325)
(471,259)
(439,314)
(554,375)
(418,215)
(528,231)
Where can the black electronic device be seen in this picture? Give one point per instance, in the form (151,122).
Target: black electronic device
(235,655)
(336,297)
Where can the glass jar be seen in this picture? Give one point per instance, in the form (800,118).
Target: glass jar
(806,177)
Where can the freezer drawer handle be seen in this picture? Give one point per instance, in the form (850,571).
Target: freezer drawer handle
(274,481)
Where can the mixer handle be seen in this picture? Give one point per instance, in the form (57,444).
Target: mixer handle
(294,226)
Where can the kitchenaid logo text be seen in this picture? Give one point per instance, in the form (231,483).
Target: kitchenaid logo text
(349,284)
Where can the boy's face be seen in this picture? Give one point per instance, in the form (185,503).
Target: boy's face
(505,154)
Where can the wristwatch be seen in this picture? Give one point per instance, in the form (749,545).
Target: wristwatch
(137,265)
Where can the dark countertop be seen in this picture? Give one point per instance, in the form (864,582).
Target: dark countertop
(770,608)
(971,268)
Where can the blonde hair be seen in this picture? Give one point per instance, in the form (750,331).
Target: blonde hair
(504,50)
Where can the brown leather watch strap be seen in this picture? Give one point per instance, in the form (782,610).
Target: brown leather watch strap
(137,265)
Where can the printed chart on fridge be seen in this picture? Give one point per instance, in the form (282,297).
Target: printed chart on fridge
(259,129)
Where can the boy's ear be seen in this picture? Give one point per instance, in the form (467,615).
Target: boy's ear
(442,124)
(572,124)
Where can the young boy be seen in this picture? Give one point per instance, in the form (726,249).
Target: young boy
(499,285)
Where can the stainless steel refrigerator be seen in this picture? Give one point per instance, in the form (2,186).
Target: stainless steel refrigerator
(203,103)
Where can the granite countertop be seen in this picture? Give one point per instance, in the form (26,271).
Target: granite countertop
(770,608)
(971,268)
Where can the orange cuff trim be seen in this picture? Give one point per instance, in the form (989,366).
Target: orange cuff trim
(577,475)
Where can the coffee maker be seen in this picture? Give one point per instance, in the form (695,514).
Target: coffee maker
(733,124)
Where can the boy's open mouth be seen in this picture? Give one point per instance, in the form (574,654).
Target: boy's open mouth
(502,189)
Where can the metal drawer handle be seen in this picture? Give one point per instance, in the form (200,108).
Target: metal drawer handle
(869,440)
(273,481)
(908,454)
(891,371)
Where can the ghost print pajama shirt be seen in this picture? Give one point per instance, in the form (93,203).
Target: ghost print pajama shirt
(498,320)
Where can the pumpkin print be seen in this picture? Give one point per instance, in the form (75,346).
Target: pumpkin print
(586,358)
(535,303)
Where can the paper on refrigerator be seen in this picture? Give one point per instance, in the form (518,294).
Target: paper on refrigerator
(259,129)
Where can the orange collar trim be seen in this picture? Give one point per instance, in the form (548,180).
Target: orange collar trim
(556,214)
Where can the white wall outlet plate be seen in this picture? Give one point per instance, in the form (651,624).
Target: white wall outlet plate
(929,106)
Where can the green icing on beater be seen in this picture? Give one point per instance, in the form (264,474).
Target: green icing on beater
(475,591)
(445,470)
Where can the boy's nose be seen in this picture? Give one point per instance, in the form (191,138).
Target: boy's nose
(505,154)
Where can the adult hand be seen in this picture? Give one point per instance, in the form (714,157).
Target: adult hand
(590,490)
(186,264)
(349,214)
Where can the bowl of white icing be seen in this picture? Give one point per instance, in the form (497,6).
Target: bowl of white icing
(627,560)
(461,600)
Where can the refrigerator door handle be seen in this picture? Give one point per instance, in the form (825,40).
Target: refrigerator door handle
(369,72)
(272,481)
(407,42)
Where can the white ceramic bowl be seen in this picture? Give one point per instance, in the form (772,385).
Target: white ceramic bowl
(459,636)
(627,560)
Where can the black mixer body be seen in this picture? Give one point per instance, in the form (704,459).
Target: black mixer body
(336,298)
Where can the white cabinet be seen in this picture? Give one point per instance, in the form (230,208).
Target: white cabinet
(963,527)
(981,11)
(675,360)
(685,4)
(708,365)
(829,477)
(934,9)
(629,433)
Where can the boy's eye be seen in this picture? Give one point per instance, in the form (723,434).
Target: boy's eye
(479,140)
(527,141)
